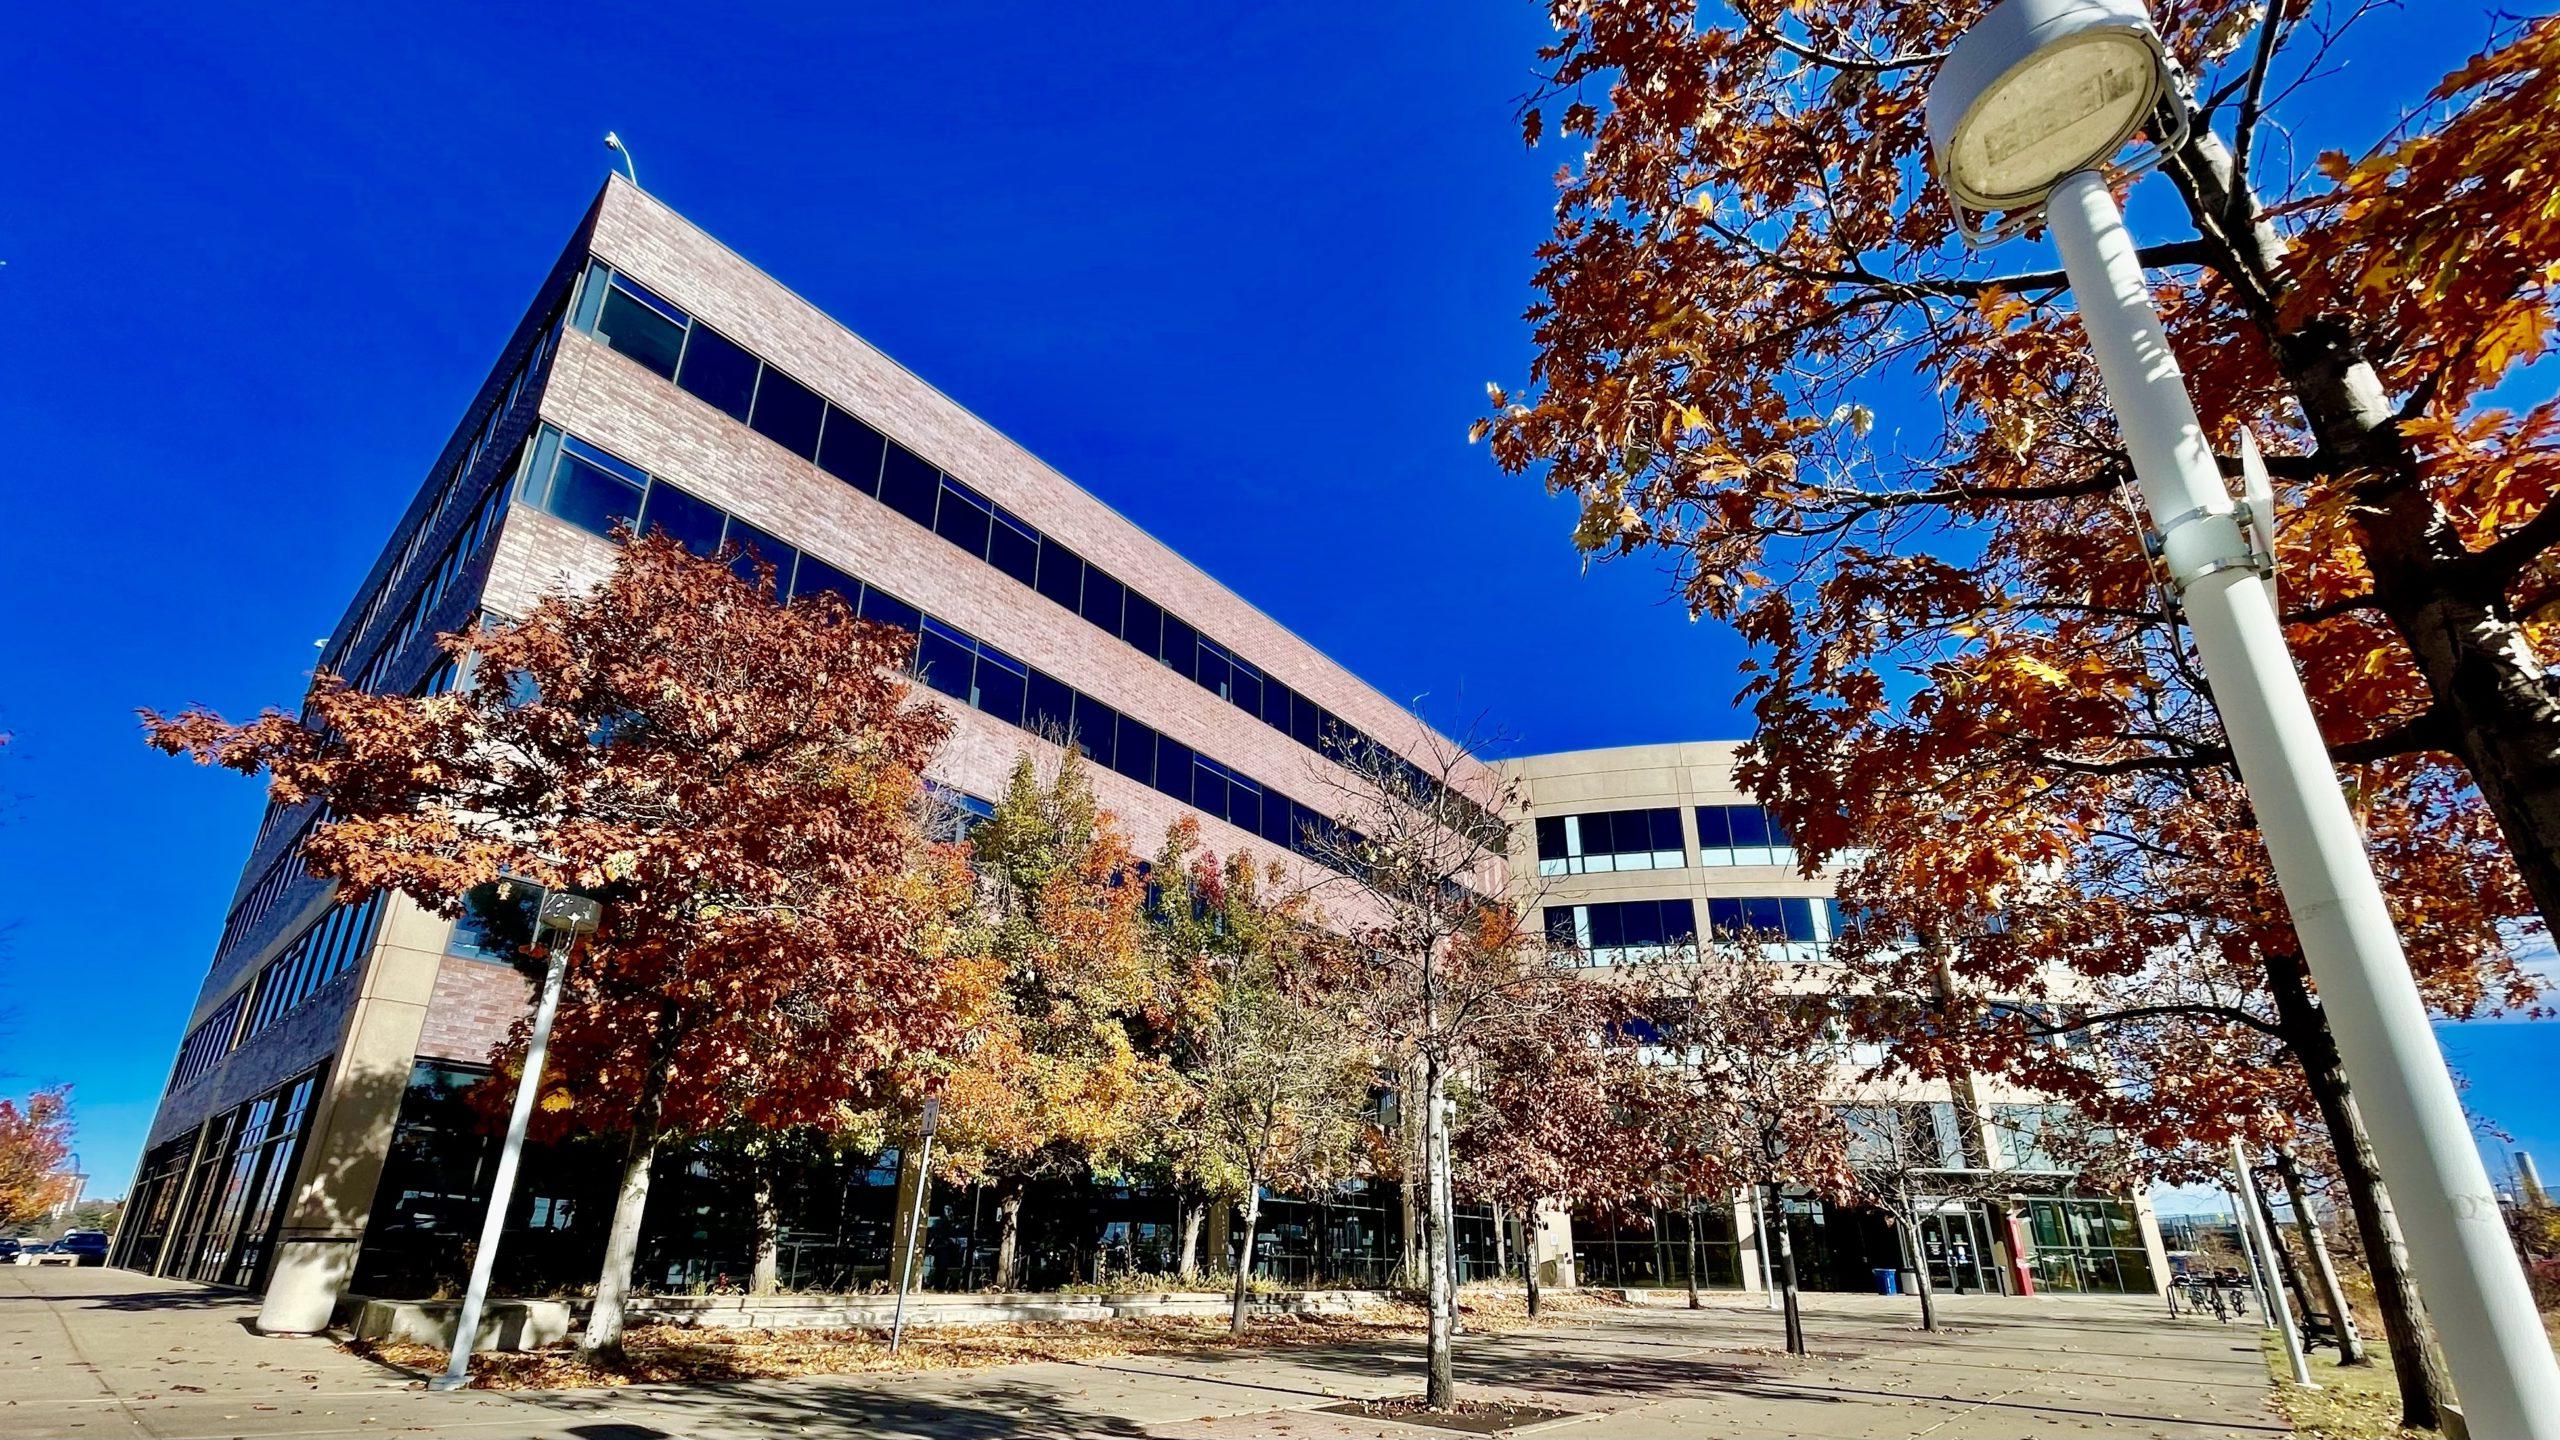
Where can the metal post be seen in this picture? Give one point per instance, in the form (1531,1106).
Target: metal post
(502,1189)
(2458,1243)
(2271,1280)
(915,1222)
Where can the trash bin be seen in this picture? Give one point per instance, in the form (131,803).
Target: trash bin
(1888,1282)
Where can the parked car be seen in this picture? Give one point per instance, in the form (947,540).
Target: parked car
(41,1253)
(86,1247)
(10,1245)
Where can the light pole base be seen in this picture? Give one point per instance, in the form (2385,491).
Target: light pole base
(447,1381)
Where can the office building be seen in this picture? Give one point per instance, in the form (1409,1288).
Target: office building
(314,1139)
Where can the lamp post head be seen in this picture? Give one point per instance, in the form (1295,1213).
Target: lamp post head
(571,914)
(2038,90)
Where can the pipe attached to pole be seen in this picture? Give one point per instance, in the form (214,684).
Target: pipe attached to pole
(502,1187)
(2271,1282)
(2458,1243)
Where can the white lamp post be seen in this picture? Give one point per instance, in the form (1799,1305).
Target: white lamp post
(572,916)
(2027,117)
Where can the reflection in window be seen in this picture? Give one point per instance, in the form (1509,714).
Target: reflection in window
(1605,841)
(641,325)
(496,923)
(1742,835)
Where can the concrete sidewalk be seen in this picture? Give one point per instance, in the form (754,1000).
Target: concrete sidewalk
(105,1353)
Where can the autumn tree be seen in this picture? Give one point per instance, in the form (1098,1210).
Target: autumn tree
(736,781)
(1750,266)
(1753,1075)
(1416,849)
(1055,1081)
(35,1141)
(1276,1078)
(1561,1111)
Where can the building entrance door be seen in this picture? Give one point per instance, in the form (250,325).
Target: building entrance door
(1956,1244)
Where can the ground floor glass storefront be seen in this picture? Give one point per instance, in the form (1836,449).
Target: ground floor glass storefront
(207,1203)
(2086,1245)
(1652,1248)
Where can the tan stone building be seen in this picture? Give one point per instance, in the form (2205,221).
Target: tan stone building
(1629,854)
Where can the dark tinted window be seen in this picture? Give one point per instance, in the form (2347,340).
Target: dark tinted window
(1141,755)
(1013,547)
(1551,837)
(1214,672)
(1246,689)
(1181,646)
(943,659)
(1061,573)
(1101,602)
(1750,826)
(888,609)
(691,523)
(591,497)
(1001,683)
(1097,728)
(815,575)
(638,329)
(1560,927)
(788,413)
(718,371)
(1799,918)
(1049,706)
(1174,768)
(1714,831)
(1276,699)
(1679,921)
(850,451)
(1142,624)
(1244,805)
(1306,721)
(1724,916)
(1764,917)
(1666,831)
(964,518)
(1276,826)
(756,547)
(908,485)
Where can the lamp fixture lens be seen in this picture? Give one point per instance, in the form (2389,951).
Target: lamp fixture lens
(2064,110)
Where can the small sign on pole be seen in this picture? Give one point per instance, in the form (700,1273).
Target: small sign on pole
(926,1124)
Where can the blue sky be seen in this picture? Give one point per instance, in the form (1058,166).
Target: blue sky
(1244,276)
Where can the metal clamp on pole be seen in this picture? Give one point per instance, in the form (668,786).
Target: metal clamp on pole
(2244,551)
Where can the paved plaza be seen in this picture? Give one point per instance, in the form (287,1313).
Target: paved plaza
(105,1353)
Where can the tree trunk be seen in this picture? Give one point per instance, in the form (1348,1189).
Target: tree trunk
(768,1230)
(2502,711)
(1195,1214)
(2324,1266)
(1008,1231)
(1244,1257)
(1501,1243)
(1917,1255)
(1787,1271)
(602,1340)
(1529,1254)
(1440,1381)
(2417,1362)
(1693,1257)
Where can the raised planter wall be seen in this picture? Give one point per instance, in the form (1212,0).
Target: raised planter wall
(827,1312)
(531,1324)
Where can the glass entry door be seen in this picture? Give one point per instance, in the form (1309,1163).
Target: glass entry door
(1955,1243)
